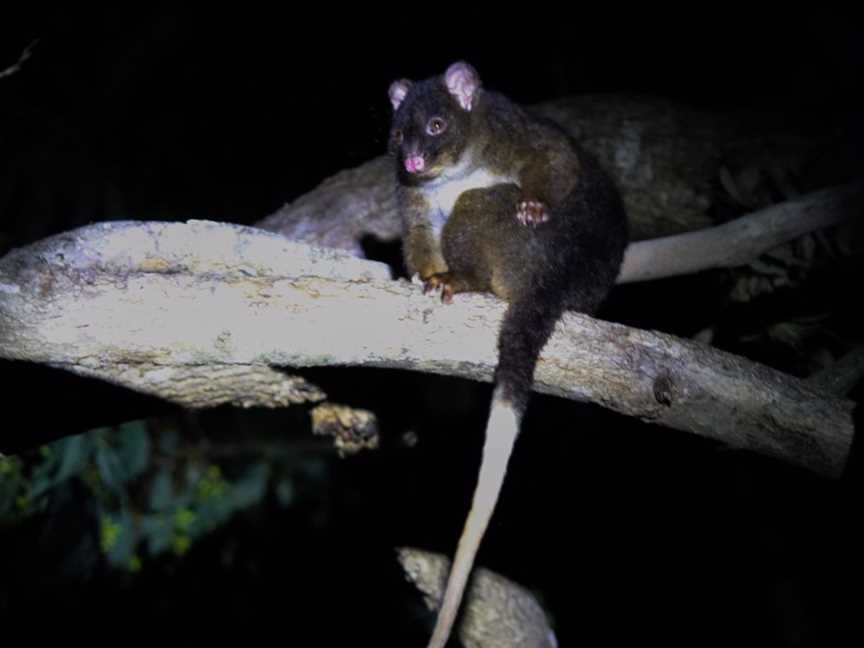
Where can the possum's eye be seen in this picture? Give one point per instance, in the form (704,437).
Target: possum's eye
(396,136)
(436,126)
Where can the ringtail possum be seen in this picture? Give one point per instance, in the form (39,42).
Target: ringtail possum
(496,200)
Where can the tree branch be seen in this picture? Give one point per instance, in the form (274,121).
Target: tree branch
(498,613)
(742,240)
(16,67)
(190,311)
(360,202)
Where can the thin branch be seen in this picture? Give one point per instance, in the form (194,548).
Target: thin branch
(141,304)
(16,67)
(743,239)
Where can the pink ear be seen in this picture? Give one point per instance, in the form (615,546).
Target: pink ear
(398,90)
(463,82)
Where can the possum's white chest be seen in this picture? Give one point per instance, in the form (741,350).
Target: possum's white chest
(442,195)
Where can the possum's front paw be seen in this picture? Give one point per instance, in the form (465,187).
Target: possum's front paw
(443,282)
(531,212)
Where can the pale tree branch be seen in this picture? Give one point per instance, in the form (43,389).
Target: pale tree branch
(742,240)
(146,291)
(498,613)
(16,67)
(156,307)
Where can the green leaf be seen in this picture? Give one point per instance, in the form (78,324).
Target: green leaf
(161,491)
(169,442)
(66,458)
(118,538)
(157,530)
(110,468)
(109,531)
(286,493)
(135,565)
(9,466)
(251,487)
(8,497)
(74,453)
(181,544)
(212,484)
(11,482)
(132,443)
(183,519)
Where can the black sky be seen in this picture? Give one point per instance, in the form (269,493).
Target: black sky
(167,110)
(173,111)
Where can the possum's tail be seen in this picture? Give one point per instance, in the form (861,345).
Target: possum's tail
(526,327)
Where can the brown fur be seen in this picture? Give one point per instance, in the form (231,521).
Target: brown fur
(468,228)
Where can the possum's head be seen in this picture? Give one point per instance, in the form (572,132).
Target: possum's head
(432,122)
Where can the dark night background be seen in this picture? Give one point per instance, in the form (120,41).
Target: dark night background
(630,534)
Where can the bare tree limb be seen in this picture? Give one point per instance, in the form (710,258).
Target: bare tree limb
(360,202)
(16,67)
(169,264)
(343,209)
(141,304)
(742,240)
(498,612)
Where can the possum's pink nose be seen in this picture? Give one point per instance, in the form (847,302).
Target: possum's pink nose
(414,163)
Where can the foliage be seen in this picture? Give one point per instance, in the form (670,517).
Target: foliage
(150,494)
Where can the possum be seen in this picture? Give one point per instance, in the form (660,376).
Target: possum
(494,199)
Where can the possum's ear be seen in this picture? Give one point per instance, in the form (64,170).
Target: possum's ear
(462,82)
(398,90)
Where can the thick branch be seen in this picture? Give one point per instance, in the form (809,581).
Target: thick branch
(110,298)
(498,613)
(136,303)
(343,209)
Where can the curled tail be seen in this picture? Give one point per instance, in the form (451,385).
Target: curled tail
(527,325)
